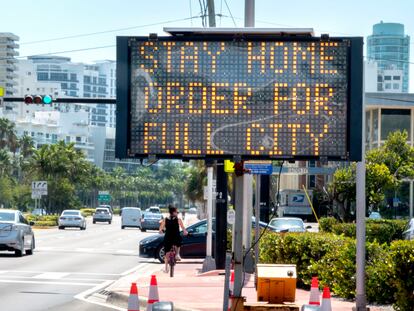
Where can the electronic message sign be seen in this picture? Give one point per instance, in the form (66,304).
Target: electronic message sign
(256,98)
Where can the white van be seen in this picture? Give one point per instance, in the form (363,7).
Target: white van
(131,217)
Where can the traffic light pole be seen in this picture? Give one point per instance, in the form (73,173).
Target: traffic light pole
(70,100)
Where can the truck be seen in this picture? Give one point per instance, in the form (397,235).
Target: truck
(294,203)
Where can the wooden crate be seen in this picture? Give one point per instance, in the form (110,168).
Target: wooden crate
(270,307)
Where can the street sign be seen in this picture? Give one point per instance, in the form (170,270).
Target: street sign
(259,167)
(104,196)
(217,96)
(231,216)
(36,195)
(39,188)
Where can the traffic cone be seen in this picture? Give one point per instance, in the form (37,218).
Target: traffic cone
(314,298)
(153,293)
(326,300)
(231,290)
(133,300)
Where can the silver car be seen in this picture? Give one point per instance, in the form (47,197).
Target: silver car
(72,218)
(289,224)
(102,214)
(16,235)
(408,233)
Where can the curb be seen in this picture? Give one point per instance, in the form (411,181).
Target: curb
(121,300)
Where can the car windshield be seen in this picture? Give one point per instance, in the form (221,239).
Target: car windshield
(71,213)
(286,223)
(154,210)
(5,216)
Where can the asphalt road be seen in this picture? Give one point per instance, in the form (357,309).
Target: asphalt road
(69,263)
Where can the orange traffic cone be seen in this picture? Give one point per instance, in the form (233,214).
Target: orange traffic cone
(231,290)
(133,300)
(314,298)
(326,300)
(153,293)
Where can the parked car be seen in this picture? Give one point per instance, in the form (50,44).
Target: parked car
(72,218)
(150,221)
(375,215)
(193,246)
(131,217)
(408,233)
(289,224)
(16,235)
(102,214)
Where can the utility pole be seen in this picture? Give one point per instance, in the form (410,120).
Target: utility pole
(211,13)
(239,195)
(361,300)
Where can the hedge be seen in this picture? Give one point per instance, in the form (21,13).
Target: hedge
(389,268)
(382,231)
(44,220)
(87,211)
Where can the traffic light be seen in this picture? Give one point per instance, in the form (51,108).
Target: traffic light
(38,99)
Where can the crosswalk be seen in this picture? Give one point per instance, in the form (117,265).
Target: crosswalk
(66,278)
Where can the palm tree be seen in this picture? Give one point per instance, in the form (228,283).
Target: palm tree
(8,137)
(5,163)
(26,146)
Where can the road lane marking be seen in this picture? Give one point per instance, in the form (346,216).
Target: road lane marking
(49,283)
(51,275)
(76,273)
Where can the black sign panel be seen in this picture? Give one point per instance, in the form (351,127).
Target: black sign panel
(221,98)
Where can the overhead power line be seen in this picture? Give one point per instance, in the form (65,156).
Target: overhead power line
(109,31)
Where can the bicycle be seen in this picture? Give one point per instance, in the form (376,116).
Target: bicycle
(172,260)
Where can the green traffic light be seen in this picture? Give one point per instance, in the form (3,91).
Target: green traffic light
(47,99)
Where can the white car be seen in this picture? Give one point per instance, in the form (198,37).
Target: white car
(16,235)
(131,217)
(72,218)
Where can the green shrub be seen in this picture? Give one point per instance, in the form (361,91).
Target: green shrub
(326,224)
(301,249)
(44,218)
(45,223)
(389,268)
(87,211)
(402,253)
(382,231)
(117,211)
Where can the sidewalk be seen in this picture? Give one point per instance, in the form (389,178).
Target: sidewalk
(191,291)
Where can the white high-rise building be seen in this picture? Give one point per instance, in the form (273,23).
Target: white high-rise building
(8,62)
(77,80)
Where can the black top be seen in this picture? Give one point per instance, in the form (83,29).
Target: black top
(172,233)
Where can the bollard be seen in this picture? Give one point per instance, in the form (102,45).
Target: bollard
(163,306)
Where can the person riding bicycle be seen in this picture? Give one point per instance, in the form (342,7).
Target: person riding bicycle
(171,225)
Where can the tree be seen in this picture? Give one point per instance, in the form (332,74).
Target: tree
(8,137)
(386,168)
(194,189)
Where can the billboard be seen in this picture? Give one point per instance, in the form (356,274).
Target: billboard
(255,97)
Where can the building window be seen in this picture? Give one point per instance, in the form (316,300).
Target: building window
(387,78)
(396,86)
(67,139)
(64,85)
(73,86)
(73,77)
(395,120)
(87,79)
(387,86)
(78,139)
(42,76)
(397,78)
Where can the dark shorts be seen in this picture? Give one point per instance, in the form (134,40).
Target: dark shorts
(169,242)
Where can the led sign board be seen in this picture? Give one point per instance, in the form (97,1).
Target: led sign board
(257,98)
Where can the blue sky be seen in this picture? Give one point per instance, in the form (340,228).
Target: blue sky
(47,19)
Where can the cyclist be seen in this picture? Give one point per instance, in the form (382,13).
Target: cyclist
(171,225)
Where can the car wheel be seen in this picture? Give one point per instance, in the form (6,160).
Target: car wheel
(143,230)
(20,252)
(109,222)
(32,246)
(94,222)
(160,253)
(61,227)
(122,227)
